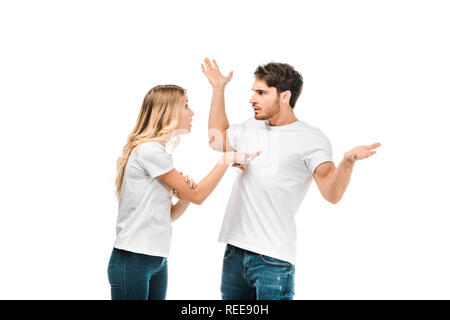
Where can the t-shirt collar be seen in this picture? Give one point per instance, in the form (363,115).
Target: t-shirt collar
(270,127)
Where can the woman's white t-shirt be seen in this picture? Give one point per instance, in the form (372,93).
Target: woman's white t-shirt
(143,223)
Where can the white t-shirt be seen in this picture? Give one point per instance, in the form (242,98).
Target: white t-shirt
(144,224)
(265,197)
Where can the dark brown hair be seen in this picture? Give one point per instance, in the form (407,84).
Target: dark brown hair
(283,77)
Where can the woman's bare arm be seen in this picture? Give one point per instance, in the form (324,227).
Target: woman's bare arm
(174,180)
(178,209)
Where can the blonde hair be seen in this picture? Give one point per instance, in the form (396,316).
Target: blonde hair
(157,120)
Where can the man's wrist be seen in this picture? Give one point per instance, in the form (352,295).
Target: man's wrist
(218,88)
(349,162)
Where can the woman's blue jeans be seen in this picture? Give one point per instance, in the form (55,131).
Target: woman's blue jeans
(248,275)
(135,276)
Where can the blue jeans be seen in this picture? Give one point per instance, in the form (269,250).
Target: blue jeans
(135,276)
(248,275)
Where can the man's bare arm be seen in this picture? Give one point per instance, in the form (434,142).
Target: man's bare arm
(218,121)
(332,181)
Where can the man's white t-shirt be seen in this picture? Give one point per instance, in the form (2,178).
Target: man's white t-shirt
(266,196)
(143,223)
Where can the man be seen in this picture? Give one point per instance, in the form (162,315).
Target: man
(259,226)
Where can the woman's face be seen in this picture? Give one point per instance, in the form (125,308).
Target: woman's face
(184,124)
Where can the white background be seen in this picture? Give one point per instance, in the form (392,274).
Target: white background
(72,78)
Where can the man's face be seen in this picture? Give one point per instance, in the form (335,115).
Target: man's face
(265,100)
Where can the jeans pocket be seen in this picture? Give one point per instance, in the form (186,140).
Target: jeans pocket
(163,262)
(290,283)
(274,261)
(228,252)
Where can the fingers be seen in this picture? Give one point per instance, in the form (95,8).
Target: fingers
(252,155)
(364,155)
(189,181)
(368,154)
(240,160)
(215,64)
(203,69)
(375,145)
(238,166)
(208,64)
(230,75)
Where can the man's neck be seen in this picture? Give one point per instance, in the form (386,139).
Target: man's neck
(283,118)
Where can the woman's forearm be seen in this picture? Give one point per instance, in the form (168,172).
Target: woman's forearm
(209,183)
(174,180)
(178,209)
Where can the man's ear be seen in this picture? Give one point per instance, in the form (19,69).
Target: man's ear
(285,96)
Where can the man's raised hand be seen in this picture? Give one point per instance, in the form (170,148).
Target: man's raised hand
(212,72)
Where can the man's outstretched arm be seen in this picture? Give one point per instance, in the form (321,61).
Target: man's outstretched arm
(218,121)
(332,181)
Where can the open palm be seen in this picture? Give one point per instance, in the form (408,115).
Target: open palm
(361,152)
(212,72)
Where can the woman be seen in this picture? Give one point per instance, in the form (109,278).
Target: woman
(145,179)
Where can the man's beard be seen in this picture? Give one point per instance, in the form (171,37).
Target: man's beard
(273,110)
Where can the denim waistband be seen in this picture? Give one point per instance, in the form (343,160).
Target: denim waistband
(244,251)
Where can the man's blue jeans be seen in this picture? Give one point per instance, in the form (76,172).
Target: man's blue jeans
(248,275)
(135,276)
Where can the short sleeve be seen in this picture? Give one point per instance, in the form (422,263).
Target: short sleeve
(153,157)
(319,150)
(234,135)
